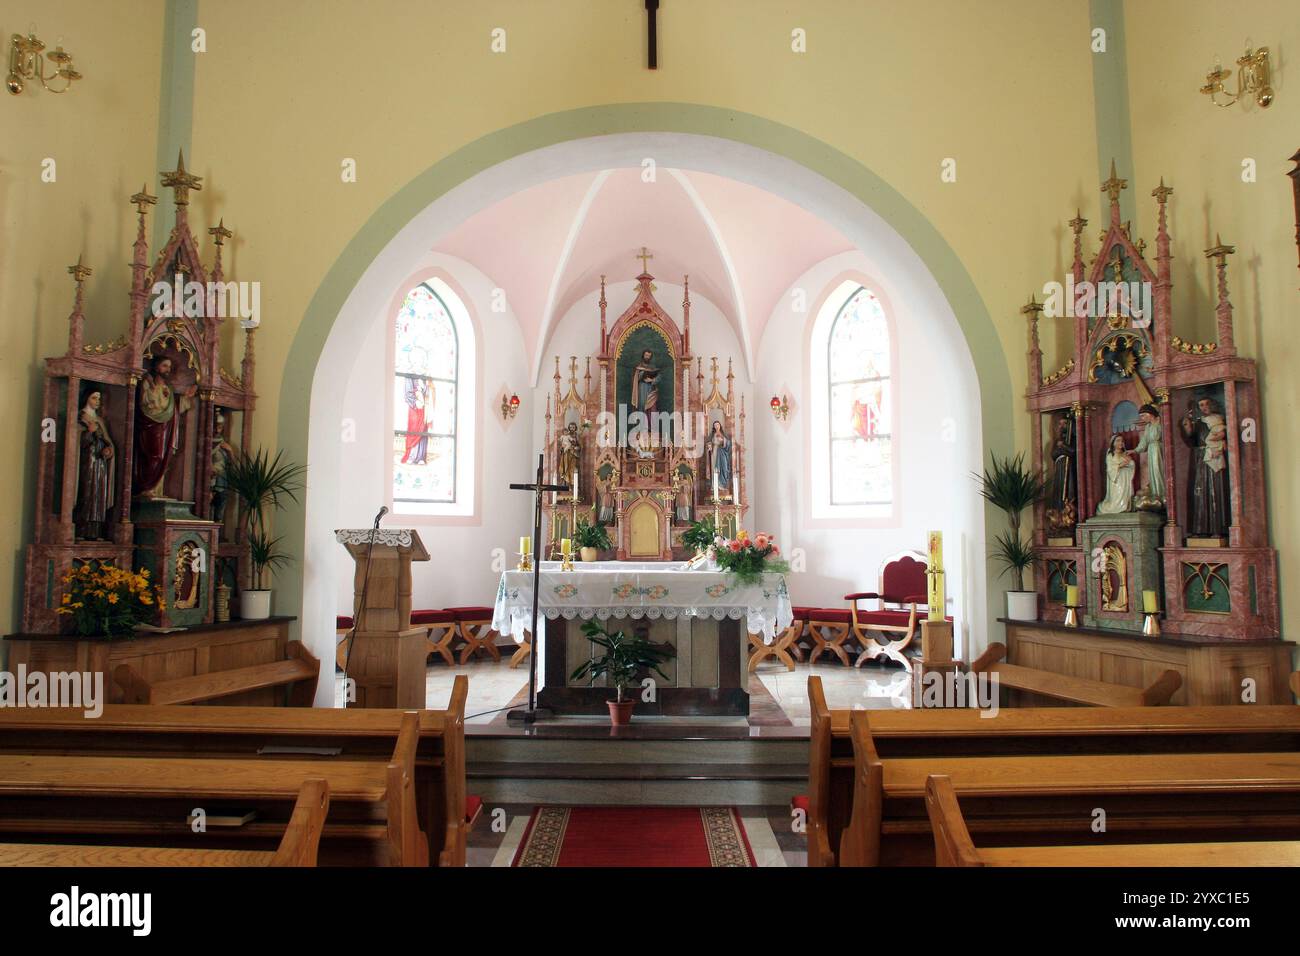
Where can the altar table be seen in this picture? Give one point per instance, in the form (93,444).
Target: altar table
(697,613)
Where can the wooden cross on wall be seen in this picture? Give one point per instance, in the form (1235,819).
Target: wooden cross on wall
(652,10)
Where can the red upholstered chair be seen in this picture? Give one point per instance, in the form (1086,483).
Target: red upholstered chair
(442,628)
(476,628)
(903,588)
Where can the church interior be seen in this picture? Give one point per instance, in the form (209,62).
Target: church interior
(644,434)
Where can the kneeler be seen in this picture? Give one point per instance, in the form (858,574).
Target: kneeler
(476,628)
(828,628)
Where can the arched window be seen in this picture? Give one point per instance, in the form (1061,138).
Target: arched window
(432,427)
(853,420)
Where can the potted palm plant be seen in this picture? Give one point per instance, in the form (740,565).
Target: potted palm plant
(590,538)
(1009,485)
(624,656)
(261,484)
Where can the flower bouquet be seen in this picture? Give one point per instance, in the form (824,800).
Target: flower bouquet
(104,599)
(748,558)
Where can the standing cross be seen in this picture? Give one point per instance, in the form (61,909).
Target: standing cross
(643,256)
(538,487)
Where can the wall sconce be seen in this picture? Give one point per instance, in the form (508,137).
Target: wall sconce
(780,405)
(509,406)
(1253,78)
(27,62)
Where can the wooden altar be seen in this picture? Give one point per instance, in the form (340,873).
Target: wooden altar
(652,447)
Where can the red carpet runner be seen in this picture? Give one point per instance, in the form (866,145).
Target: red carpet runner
(635,836)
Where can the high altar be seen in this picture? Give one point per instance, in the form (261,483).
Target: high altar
(1156,515)
(648,446)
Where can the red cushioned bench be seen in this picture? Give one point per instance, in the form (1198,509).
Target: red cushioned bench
(475,624)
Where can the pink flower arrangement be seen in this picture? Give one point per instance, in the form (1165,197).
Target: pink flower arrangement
(749,557)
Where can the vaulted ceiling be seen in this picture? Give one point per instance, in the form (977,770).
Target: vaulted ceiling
(547,246)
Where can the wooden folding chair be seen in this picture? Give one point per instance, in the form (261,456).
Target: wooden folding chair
(476,628)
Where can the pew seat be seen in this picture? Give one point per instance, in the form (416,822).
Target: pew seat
(953,845)
(298,846)
(298,674)
(1075,690)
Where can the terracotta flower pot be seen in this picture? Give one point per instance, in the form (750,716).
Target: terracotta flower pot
(620,713)
(588,554)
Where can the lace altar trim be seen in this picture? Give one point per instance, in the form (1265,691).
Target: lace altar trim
(393,537)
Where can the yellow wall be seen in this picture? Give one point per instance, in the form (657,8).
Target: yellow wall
(102,136)
(1199,150)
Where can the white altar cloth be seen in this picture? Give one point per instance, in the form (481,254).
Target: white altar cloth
(623,589)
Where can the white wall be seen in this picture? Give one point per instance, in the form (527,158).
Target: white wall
(936,441)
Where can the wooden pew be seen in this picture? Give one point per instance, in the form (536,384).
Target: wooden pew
(953,845)
(1058,730)
(298,846)
(1295,684)
(298,673)
(1050,800)
(357,832)
(1075,690)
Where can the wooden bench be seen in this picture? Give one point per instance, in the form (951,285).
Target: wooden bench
(298,674)
(319,741)
(1051,800)
(1075,690)
(298,846)
(953,845)
(1026,731)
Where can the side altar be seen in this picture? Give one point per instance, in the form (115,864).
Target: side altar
(647,444)
(702,617)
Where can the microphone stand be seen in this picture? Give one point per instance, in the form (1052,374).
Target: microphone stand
(365,585)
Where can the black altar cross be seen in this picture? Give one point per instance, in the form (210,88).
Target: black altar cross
(652,9)
(531,714)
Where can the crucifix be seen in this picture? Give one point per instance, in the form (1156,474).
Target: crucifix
(643,255)
(652,9)
(531,714)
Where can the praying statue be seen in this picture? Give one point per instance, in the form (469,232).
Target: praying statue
(719,458)
(1208,511)
(645,384)
(96,471)
(1120,467)
(1150,445)
(158,412)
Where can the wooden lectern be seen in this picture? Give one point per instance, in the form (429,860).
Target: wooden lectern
(388,655)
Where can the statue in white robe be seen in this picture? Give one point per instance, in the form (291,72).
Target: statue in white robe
(1120,467)
(1152,446)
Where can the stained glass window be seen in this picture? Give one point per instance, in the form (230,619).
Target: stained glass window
(859,404)
(425,395)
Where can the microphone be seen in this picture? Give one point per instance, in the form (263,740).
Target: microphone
(382,511)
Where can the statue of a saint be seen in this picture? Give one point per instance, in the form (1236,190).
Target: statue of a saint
(222,454)
(1120,467)
(1064,489)
(605,513)
(1151,445)
(719,459)
(96,472)
(1209,512)
(645,384)
(682,500)
(158,412)
(570,453)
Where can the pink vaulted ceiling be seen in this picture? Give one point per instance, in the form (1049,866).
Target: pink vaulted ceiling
(548,246)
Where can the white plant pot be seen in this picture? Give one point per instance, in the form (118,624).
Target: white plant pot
(254,605)
(1022,605)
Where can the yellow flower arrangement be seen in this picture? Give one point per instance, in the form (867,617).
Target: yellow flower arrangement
(105,599)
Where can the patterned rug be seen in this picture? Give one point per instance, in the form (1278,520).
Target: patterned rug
(635,836)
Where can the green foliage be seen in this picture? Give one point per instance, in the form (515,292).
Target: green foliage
(1011,486)
(1014,554)
(623,657)
(264,555)
(591,536)
(700,535)
(748,558)
(261,484)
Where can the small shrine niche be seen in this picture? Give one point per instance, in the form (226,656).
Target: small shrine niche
(1154,479)
(136,433)
(652,441)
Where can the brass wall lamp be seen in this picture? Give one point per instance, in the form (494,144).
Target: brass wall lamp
(1254,78)
(27,58)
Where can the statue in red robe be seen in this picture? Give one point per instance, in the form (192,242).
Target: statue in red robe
(158,411)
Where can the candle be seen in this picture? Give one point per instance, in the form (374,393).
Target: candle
(715,486)
(566,546)
(575,486)
(526,544)
(1149,605)
(735,487)
(1072,595)
(936,550)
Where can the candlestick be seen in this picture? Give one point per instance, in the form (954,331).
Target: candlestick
(715,486)
(936,596)
(735,487)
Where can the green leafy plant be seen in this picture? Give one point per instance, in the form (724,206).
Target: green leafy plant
(1009,485)
(591,535)
(624,656)
(261,484)
(747,558)
(700,535)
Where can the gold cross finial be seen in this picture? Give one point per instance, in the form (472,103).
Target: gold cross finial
(643,255)
(1219,248)
(1113,185)
(1032,307)
(142,199)
(181,181)
(1078,222)
(1162,192)
(219,232)
(79,272)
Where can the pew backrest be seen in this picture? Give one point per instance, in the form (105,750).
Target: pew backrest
(299,673)
(820,852)
(952,843)
(1076,690)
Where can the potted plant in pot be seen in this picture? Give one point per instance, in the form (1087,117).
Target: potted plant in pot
(624,655)
(1009,485)
(261,484)
(590,538)
(700,535)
